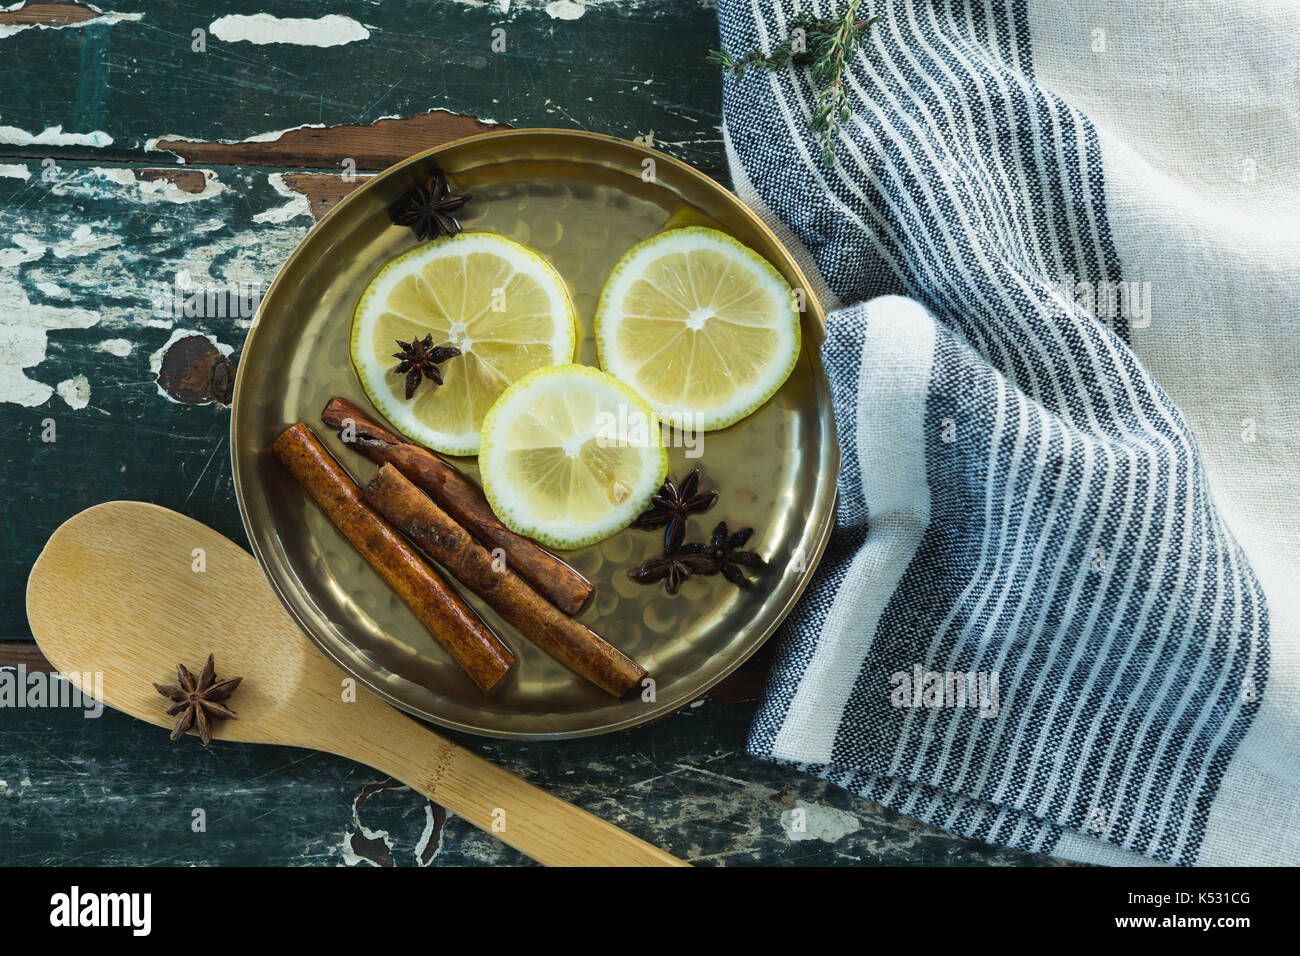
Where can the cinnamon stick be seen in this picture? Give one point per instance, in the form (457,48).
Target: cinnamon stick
(562,586)
(568,641)
(444,612)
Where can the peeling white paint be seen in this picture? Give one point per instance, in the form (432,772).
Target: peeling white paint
(75,391)
(24,330)
(53,136)
(28,250)
(298,204)
(156,359)
(83,242)
(423,842)
(118,280)
(154,190)
(565,10)
(350,857)
(9,29)
(15,171)
(813,821)
(119,347)
(330,30)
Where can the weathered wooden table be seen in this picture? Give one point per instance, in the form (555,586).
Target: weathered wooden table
(152,149)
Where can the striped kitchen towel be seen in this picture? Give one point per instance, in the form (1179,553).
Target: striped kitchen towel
(1060,246)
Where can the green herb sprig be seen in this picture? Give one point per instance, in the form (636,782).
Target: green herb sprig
(823,45)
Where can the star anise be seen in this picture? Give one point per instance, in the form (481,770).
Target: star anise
(429,210)
(672,505)
(420,358)
(724,549)
(199,702)
(676,567)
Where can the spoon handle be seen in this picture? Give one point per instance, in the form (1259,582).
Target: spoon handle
(540,825)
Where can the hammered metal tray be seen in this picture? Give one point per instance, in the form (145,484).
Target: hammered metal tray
(581,200)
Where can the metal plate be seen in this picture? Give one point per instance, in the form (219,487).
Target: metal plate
(581,200)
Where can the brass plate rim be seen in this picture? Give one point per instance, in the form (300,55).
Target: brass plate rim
(654,712)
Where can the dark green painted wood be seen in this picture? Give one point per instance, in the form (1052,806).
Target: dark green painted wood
(622,68)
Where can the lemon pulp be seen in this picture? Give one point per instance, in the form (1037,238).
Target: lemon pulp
(701,326)
(569,456)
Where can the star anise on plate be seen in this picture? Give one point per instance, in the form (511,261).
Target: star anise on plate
(429,211)
(420,360)
(199,702)
(675,567)
(672,505)
(724,548)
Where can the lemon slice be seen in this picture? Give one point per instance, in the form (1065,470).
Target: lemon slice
(702,327)
(570,455)
(500,303)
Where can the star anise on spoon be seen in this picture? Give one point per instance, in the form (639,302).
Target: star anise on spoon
(429,211)
(676,567)
(199,702)
(724,548)
(420,360)
(672,505)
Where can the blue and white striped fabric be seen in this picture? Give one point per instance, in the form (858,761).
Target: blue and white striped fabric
(1061,251)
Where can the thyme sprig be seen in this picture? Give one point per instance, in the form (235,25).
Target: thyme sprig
(823,45)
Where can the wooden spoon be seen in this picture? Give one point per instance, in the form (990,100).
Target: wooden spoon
(114,592)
